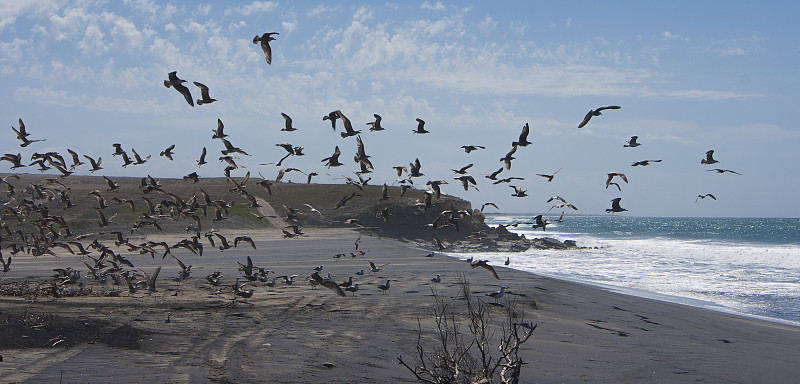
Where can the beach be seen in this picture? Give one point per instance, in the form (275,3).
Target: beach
(191,331)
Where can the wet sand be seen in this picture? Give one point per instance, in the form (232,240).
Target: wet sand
(296,334)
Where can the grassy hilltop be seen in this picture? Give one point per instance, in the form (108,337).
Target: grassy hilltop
(406,218)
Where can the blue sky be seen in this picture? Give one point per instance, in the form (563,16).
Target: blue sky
(690,76)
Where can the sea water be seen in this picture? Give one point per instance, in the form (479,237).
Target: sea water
(749,266)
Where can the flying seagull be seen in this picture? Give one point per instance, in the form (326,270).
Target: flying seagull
(615,206)
(420,126)
(632,142)
(709,158)
(704,196)
(523,137)
(206,99)
(265,39)
(175,82)
(595,112)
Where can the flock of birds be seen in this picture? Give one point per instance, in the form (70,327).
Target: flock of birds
(29,224)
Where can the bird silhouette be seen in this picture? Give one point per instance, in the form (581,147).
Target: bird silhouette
(709,158)
(420,127)
(376,125)
(632,143)
(287,127)
(168,152)
(615,207)
(704,196)
(595,112)
(523,137)
(206,99)
(174,82)
(264,40)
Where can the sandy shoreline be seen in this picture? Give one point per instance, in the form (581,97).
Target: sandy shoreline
(288,334)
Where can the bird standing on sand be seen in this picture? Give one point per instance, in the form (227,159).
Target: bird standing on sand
(497,295)
(384,287)
(175,82)
(595,112)
(264,40)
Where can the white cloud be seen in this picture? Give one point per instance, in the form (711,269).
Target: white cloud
(289,26)
(488,24)
(256,7)
(437,6)
(322,10)
(92,42)
(11,9)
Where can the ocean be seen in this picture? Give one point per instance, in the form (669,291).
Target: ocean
(748,266)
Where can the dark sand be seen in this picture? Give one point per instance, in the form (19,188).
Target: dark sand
(584,334)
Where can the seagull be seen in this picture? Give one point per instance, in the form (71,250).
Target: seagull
(202,159)
(168,152)
(333,160)
(549,177)
(462,170)
(704,196)
(632,142)
(414,169)
(76,161)
(497,295)
(420,126)
(376,125)
(595,112)
(540,223)
(175,82)
(353,288)
(523,137)
(437,279)
(229,148)
(644,163)
(493,175)
(332,117)
(6,264)
(206,99)
(373,268)
(439,245)
(508,157)
(518,191)
(611,176)
(717,170)
(488,204)
(470,148)
(288,123)
(218,133)
(709,158)
(95,164)
(265,39)
(384,287)
(483,264)
(615,206)
(348,127)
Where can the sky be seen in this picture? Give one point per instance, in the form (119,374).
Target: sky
(690,77)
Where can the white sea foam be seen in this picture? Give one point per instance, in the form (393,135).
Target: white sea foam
(755,279)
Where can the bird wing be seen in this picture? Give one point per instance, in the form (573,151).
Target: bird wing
(586,119)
